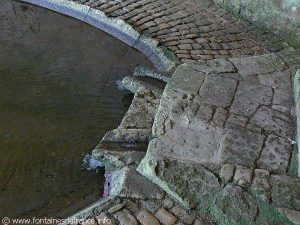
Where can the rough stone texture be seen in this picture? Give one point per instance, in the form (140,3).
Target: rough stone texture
(249,97)
(276,154)
(165,217)
(217,91)
(127,145)
(227,172)
(258,64)
(274,122)
(199,144)
(281,79)
(243,176)
(261,184)
(188,184)
(125,218)
(182,79)
(286,191)
(281,17)
(292,215)
(136,83)
(146,218)
(141,112)
(237,204)
(235,148)
(128,183)
(237,120)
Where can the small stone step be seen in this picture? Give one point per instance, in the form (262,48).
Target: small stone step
(136,83)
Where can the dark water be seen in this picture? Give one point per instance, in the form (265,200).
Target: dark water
(58,97)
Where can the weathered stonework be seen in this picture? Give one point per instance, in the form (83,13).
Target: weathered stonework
(228,125)
(217,130)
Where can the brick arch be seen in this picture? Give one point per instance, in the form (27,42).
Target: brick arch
(161,58)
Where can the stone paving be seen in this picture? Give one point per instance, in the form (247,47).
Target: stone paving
(224,135)
(193,30)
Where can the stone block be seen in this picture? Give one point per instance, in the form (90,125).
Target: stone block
(249,96)
(281,79)
(136,83)
(227,172)
(243,176)
(220,117)
(290,55)
(283,97)
(261,183)
(128,183)
(141,112)
(195,141)
(204,112)
(276,154)
(166,217)
(188,184)
(215,66)
(186,79)
(292,215)
(124,217)
(146,218)
(274,122)
(217,91)
(236,147)
(237,120)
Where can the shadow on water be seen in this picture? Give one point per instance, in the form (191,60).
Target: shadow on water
(58,97)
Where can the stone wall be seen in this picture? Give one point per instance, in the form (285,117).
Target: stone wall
(281,16)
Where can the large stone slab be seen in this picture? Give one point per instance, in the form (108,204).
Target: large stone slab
(274,122)
(248,66)
(198,144)
(283,97)
(241,147)
(186,79)
(276,154)
(127,182)
(217,91)
(290,55)
(281,79)
(189,184)
(249,96)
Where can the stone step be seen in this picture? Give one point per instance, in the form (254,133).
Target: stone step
(136,83)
